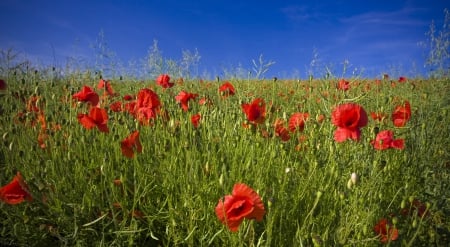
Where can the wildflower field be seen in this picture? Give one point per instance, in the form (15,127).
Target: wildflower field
(171,162)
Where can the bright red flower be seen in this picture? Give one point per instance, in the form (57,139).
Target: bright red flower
(87,95)
(401,115)
(385,231)
(243,203)
(97,117)
(164,81)
(147,105)
(349,118)
(183,98)
(343,85)
(195,119)
(297,121)
(16,191)
(3,84)
(255,111)
(131,144)
(226,89)
(385,140)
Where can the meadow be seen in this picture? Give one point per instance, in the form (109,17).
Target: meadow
(167,162)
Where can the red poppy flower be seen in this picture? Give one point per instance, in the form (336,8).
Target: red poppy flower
(243,203)
(116,106)
(147,105)
(255,111)
(281,131)
(97,117)
(297,121)
(226,89)
(401,115)
(107,86)
(3,84)
(16,191)
(131,144)
(205,101)
(377,116)
(416,208)
(349,118)
(87,95)
(385,231)
(164,81)
(402,79)
(195,119)
(128,97)
(183,98)
(385,140)
(343,85)
(32,104)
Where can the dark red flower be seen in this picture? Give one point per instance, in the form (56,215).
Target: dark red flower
(297,121)
(131,144)
(183,98)
(3,84)
(164,81)
(385,231)
(195,119)
(243,203)
(97,117)
(255,111)
(416,208)
(401,115)
(349,118)
(226,89)
(128,97)
(16,191)
(402,79)
(87,95)
(385,140)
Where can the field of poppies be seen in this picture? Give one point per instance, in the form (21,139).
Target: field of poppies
(86,161)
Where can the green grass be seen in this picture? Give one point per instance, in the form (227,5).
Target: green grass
(169,191)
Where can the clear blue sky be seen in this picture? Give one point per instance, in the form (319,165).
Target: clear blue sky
(374,35)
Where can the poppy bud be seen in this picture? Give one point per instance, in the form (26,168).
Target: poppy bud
(394,220)
(403,204)
(354,178)
(221,180)
(349,184)
(414,223)
(4,135)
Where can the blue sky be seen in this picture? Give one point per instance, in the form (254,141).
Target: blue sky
(376,36)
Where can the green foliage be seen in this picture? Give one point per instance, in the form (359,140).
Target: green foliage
(167,193)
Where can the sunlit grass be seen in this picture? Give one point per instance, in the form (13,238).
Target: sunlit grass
(86,192)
